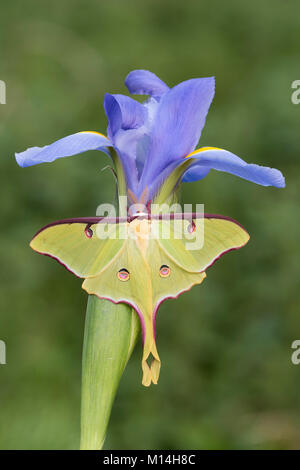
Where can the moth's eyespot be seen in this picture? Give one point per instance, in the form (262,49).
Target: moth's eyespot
(88,232)
(164,271)
(191,227)
(123,275)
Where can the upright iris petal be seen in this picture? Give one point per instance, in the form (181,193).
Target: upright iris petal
(126,125)
(143,82)
(123,113)
(179,120)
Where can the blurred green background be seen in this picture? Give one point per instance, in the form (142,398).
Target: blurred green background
(227,380)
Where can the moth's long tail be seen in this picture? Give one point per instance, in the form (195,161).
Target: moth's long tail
(150,361)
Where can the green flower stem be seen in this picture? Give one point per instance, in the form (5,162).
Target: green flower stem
(111,332)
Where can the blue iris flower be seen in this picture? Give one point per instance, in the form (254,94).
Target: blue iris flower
(154,139)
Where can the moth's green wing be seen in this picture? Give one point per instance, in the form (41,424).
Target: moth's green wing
(141,253)
(79,246)
(135,290)
(107,283)
(170,287)
(197,242)
(144,288)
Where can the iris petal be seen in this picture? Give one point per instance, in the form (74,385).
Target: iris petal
(126,126)
(222,160)
(123,113)
(143,82)
(66,147)
(177,125)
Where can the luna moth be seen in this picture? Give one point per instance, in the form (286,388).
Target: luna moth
(136,264)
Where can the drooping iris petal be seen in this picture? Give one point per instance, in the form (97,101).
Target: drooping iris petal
(66,147)
(143,82)
(218,159)
(177,126)
(195,173)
